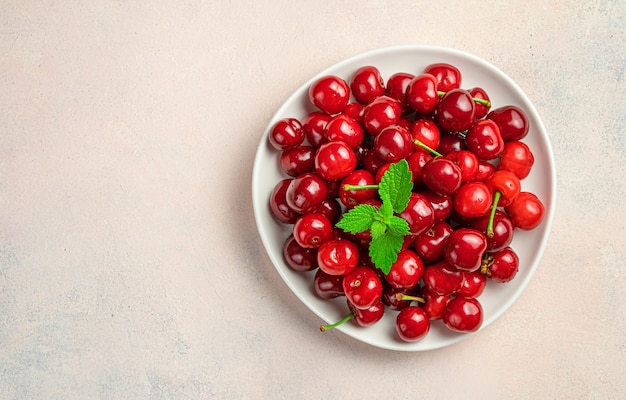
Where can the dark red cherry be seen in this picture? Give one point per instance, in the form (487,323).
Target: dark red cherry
(473,284)
(351,197)
(412,324)
(442,204)
(429,245)
(314,126)
(380,113)
(297,160)
(464,249)
(481,108)
(330,94)
(419,214)
(396,88)
(421,93)
(442,176)
(297,257)
(484,140)
(366,84)
(286,134)
(463,314)
(442,278)
(393,143)
(406,271)
(278,203)
(512,122)
(456,111)
(327,286)
(501,266)
(447,75)
(305,192)
(502,230)
(434,303)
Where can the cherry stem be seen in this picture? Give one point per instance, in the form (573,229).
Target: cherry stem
(496,198)
(348,186)
(476,99)
(324,328)
(407,297)
(417,142)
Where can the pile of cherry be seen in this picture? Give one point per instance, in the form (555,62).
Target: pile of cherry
(467,162)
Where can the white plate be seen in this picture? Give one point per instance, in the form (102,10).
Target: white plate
(529,245)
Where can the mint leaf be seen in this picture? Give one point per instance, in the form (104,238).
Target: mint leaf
(384,250)
(398,226)
(358,219)
(395,186)
(378,228)
(385,212)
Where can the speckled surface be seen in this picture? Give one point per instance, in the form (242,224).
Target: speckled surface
(130,266)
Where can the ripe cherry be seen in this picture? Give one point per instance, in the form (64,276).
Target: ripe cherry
(396,88)
(501,266)
(426,132)
(511,120)
(337,257)
(472,200)
(434,303)
(393,143)
(447,75)
(412,324)
(463,314)
(526,211)
(334,160)
(354,111)
(406,271)
(429,245)
(467,161)
(473,284)
(481,108)
(484,140)
(442,278)
(312,230)
(286,134)
(485,169)
(366,84)
(327,286)
(314,126)
(362,287)
(442,204)
(297,257)
(517,158)
(278,203)
(502,229)
(330,94)
(353,188)
(464,249)
(346,129)
(442,176)
(456,111)
(416,161)
(297,160)
(380,113)
(419,214)
(393,297)
(421,93)
(505,183)
(449,142)
(306,192)
(331,208)
(362,317)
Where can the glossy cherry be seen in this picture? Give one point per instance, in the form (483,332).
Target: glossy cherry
(406,271)
(481,108)
(412,324)
(331,208)
(327,286)
(286,134)
(474,284)
(472,200)
(396,88)
(442,278)
(464,249)
(429,245)
(416,161)
(362,287)
(330,94)
(442,176)
(501,266)
(434,303)
(278,203)
(297,160)
(346,129)
(449,142)
(305,192)
(442,204)
(467,162)
(297,257)
(314,126)
(526,211)
(337,257)
(419,214)
(447,75)
(511,120)
(312,230)
(362,317)
(351,196)
(502,229)
(484,140)
(334,160)
(421,93)
(426,132)
(517,158)
(485,169)
(456,111)
(463,314)
(366,84)
(380,113)
(393,143)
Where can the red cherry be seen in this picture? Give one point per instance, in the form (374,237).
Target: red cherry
(473,284)
(442,176)
(327,286)
(425,131)
(312,230)
(512,122)
(416,161)
(334,160)
(421,93)
(442,278)
(412,324)
(507,184)
(481,108)
(485,169)
(472,200)
(297,257)
(435,303)
(314,126)
(396,88)
(278,203)
(393,143)
(352,197)
(484,140)
(450,142)
(369,316)
(517,158)
(448,76)
(390,297)
(337,257)
(346,129)
(419,214)
(406,271)
(380,113)
(354,111)
(298,160)
(442,204)
(467,161)
(305,192)
(286,133)
(367,84)
(362,287)
(526,211)
(330,94)
(501,266)
(331,208)
(502,229)
(464,249)
(456,111)
(463,314)
(429,245)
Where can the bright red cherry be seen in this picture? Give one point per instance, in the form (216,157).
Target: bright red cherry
(467,161)
(464,249)
(354,111)
(369,316)
(502,229)
(314,126)
(362,287)
(393,143)
(429,245)
(419,214)
(346,129)
(412,324)
(526,211)
(456,111)
(517,158)
(481,108)
(450,142)
(334,160)
(396,88)
(463,314)
(312,230)
(512,122)
(306,192)
(367,84)
(406,271)
(442,204)
(501,266)
(435,303)
(484,140)
(485,169)
(337,257)
(442,176)
(442,278)
(472,200)
(380,113)
(278,203)
(351,197)
(298,160)
(473,284)
(286,134)
(330,94)
(297,257)
(421,94)
(447,75)
(506,184)
(425,131)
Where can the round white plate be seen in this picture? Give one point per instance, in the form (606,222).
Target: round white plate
(529,245)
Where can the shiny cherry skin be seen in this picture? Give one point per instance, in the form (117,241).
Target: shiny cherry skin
(426,132)
(396,89)
(456,111)
(366,84)
(416,161)
(442,278)
(406,271)
(393,143)
(380,113)
(330,94)
(484,140)
(412,324)
(346,129)
(526,211)
(331,208)
(352,197)
(306,192)
(429,245)
(334,160)
(485,170)
(502,230)
(467,161)
(312,230)
(464,249)
(419,214)
(447,75)
(337,257)
(463,314)
(286,133)
(450,142)
(421,94)
(390,297)
(297,257)
(298,160)
(512,122)
(502,266)
(354,111)
(371,162)
(481,109)
(362,287)
(474,284)
(473,200)
(507,184)
(314,126)
(369,316)
(327,286)
(442,204)
(517,158)
(435,303)
(442,176)
(278,203)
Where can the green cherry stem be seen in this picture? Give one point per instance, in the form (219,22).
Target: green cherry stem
(477,100)
(348,186)
(325,328)
(434,152)
(496,198)
(407,297)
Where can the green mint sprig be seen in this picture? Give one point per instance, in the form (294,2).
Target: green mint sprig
(387,229)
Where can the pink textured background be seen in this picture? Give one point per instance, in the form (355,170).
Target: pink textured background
(130,266)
